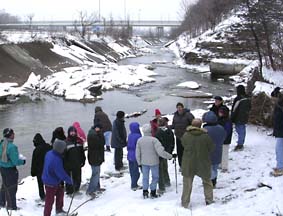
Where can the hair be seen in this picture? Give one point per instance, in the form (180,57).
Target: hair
(179,104)
(241,90)
(196,122)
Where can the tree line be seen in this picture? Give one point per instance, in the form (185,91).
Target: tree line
(8,18)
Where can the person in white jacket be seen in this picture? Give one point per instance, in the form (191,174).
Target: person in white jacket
(148,151)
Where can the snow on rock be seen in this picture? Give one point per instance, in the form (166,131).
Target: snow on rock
(189,84)
(7,89)
(263,87)
(240,191)
(32,82)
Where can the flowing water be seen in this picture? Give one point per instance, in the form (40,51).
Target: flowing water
(44,116)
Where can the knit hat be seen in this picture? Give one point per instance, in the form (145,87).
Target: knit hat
(120,114)
(157,112)
(7,132)
(59,146)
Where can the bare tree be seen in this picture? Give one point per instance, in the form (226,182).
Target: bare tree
(85,21)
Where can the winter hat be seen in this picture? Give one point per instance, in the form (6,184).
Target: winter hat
(120,114)
(157,112)
(7,132)
(218,98)
(59,146)
(58,133)
(97,109)
(209,117)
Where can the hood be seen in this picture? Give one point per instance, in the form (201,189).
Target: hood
(146,129)
(58,133)
(76,125)
(209,117)
(38,140)
(97,109)
(196,130)
(135,127)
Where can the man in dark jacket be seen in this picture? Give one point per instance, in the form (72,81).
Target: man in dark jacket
(53,175)
(218,102)
(218,134)
(166,137)
(196,161)
(119,139)
(38,155)
(95,156)
(278,133)
(74,160)
(101,118)
(181,120)
(240,115)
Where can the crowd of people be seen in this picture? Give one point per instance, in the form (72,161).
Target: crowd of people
(202,147)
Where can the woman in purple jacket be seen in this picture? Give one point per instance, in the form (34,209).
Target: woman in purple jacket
(133,137)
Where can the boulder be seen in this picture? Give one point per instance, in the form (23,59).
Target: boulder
(227,66)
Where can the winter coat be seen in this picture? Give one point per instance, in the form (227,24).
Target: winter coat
(240,110)
(166,138)
(96,144)
(226,123)
(119,134)
(81,137)
(133,137)
(53,171)
(278,121)
(198,147)
(181,122)
(217,133)
(12,155)
(74,157)
(38,155)
(149,149)
(154,126)
(101,118)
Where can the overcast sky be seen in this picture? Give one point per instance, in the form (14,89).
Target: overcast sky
(68,9)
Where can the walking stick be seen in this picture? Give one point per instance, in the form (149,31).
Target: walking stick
(175,164)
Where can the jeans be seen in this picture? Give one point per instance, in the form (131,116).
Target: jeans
(241,131)
(9,187)
(180,150)
(279,152)
(214,171)
(134,173)
(118,158)
(51,192)
(94,184)
(154,175)
(107,137)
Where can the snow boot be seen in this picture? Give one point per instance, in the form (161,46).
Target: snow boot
(153,194)
(214,181)
(145,194)
(108,149)
(239,148)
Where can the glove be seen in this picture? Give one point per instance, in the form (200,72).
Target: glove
(174,155)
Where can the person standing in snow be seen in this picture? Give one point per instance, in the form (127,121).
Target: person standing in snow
(53,175)
(181,120)
(154,122)
(166,137)
(80,133)
(37,162)
(102,118)
(225,122)
(58,133)
(95,156)
(218,134)
(196,161)
(218,102)
(9,160)
(278,133)
(133,137)
(119,139)
(148,151)
(240,115)
(74,160)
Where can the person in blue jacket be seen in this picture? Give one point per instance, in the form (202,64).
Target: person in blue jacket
(9,160)
(53,177)
(133,137)
(218,134)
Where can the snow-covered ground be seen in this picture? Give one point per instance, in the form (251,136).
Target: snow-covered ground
(240,191)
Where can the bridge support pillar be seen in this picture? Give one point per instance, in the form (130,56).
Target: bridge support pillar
(160,31)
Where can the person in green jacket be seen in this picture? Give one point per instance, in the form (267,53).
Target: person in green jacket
(9,160)
(196,161)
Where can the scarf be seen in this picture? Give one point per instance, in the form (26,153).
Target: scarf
(4,156)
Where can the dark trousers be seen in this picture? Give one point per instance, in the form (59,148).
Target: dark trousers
(163,174)
(40,187)
(76,175)
(51,193)
(118,158)
(134,173)
(9,187)
(180,150)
